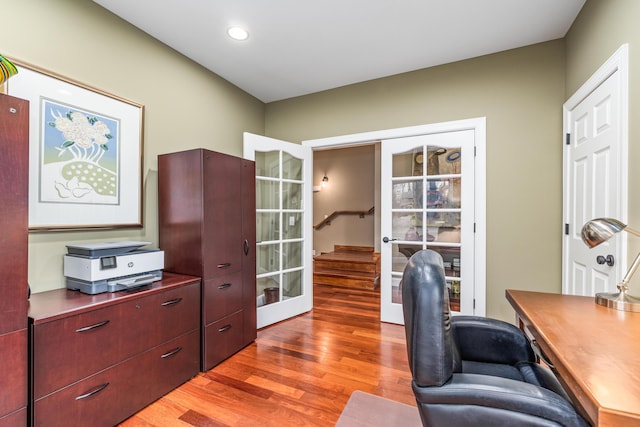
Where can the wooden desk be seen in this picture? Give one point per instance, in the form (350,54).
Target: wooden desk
(595,351)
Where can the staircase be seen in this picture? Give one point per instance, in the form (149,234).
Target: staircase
(349,266)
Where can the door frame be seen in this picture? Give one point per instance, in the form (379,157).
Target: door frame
(477,124)
(618,62)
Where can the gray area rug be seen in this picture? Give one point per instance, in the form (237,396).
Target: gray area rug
(364,409)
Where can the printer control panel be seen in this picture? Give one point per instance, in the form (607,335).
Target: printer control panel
(107,262)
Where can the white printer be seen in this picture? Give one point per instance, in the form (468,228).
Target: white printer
(113,266)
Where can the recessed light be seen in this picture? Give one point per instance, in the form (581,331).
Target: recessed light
(237,33)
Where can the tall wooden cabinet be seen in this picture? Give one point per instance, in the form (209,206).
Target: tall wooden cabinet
(207,226)
(14,177)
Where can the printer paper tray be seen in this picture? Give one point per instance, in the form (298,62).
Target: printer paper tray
(115,284)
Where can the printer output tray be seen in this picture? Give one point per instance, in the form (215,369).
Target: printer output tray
(114,285)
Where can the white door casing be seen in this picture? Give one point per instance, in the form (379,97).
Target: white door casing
(478,126)
(595,175)
(284,227)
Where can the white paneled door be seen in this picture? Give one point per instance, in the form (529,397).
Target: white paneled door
(284,270)
(595,180)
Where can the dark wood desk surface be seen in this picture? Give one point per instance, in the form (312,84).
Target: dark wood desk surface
(595,351)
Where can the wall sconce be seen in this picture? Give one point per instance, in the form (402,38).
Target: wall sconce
(323,184)
(7,69)
(600,230)
(325,181)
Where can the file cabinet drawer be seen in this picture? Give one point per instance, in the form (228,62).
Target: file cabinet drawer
(222,296)
(108,397)
(223,338)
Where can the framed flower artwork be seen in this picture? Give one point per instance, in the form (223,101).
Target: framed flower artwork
(85,161)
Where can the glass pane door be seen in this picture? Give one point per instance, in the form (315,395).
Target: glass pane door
(279,226)
(425,191)
(283,275)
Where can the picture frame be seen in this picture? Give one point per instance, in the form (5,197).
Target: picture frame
(85,153)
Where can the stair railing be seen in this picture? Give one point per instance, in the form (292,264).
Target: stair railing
(328,219)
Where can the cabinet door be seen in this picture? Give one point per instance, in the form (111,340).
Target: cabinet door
(14,138)
(13,381)
(249,248)
(14,419)
(180,211)
(222,228)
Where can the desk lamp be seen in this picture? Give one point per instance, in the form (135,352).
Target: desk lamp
(600,230)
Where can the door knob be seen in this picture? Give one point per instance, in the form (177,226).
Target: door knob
(387,240)
(608,260)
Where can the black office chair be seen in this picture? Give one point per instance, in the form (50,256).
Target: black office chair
(470,370)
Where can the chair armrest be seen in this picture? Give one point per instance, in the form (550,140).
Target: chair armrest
(481,339)
(471,392)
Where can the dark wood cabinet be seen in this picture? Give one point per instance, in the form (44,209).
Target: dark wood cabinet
(97,359)
(14,187)
(207,227)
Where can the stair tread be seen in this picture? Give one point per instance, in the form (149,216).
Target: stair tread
(367,283)
(362,268)
(353,273)
(344,257)
(348,248)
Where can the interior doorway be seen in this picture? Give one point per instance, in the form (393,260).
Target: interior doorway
(344,181)
(478,128)
(344,214)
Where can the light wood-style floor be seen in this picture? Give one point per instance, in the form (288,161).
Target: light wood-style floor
(300,372)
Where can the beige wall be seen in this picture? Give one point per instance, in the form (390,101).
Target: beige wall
(600,29)
(351,187)
(185,105)
(521,93)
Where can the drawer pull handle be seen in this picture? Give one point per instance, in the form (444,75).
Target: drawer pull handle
(224,286)
(171,302)
(225,328)
(88,328)
(224,265)
(171,353)
(92,392)
(246,247)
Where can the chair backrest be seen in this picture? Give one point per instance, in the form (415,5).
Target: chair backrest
(433,356)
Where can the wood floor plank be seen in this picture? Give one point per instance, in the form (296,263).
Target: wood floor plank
(159,413)
(300,372)
(245,386)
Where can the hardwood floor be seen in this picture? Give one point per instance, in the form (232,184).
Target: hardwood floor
(299,372)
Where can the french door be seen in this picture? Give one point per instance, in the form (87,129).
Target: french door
(428,203)
(284,270)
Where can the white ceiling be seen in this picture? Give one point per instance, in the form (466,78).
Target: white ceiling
(297,47)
